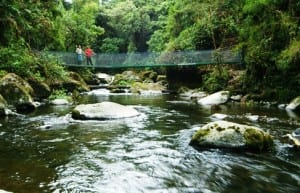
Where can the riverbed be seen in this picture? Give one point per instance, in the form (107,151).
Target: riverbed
(48,151)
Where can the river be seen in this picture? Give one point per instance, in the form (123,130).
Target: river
(48,151)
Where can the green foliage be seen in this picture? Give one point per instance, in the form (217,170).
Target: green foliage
(123,83)
(131,23)
(16,59)
(79,24)
(157,41)
(32,22)
(50,68)
(267,30)
(2,73)
(269,34)
(289,58)
(285,94)
(216,80)
(23,62)
(199,25)
(59,94)
(111,45)
(185,41)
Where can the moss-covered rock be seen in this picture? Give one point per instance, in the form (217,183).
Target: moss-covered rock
(127,78)
(15,90)
(78,83)
(224,134)
(88,76)
(139,87)
(149,75)
(40,89)
(71,83)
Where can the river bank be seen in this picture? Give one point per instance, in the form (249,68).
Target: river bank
(25,95)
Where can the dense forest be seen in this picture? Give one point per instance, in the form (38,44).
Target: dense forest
(266,31)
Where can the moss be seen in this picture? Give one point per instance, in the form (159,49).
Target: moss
(254,139)
(200,134)
(76,114)
(268,140)
(13,93)
(220,129)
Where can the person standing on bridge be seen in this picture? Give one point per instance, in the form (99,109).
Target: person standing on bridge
(79,53)
(88,54)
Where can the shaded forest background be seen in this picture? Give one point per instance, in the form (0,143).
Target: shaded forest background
(267,31)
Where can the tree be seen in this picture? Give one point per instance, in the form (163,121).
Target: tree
(268,29)
(80,25)
(129,25)
(31,21)
(196,25)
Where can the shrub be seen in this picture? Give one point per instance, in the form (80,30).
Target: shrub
(16,59)
(50,68)
(216,80)
(61,94)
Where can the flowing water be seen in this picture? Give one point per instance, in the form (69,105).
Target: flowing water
(48,151)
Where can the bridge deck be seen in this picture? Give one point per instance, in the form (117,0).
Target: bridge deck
(182,58)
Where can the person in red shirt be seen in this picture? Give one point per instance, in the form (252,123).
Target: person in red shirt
(88,54)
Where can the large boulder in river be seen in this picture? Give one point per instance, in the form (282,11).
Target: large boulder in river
(215,99)
(224,134)
(103,111)
(294,105)
(41,89)
(17,92)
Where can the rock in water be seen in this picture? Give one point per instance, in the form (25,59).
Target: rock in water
(224,134)
(103,111)
(215,99)
(294,105)
(294,138)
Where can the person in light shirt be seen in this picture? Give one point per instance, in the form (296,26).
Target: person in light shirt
(79,53)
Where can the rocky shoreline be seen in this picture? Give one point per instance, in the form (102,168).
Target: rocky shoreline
(19,95)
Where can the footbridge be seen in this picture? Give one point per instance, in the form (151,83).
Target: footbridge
(152,59)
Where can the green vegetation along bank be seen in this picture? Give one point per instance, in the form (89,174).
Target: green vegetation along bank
(267,32)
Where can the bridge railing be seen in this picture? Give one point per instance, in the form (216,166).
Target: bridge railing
(153,59)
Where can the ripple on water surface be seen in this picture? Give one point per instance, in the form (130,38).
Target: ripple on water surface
(150,153)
